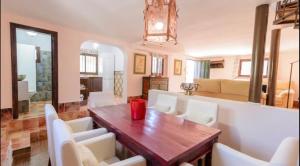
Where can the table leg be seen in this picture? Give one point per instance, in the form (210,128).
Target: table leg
(208,159)
(200,161)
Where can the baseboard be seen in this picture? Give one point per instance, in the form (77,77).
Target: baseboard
(6,114)
(66,107)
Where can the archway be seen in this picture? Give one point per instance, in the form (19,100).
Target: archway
(102,69)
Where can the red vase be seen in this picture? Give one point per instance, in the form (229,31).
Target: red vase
(138,109)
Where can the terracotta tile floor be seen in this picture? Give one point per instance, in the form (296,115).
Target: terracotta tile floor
(37,157)
(36,109)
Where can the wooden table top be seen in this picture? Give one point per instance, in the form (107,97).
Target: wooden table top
(162,137)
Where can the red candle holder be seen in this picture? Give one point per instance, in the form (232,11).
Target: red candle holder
(138,109)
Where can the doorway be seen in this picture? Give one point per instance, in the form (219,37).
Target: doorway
(102,65)
(34,70)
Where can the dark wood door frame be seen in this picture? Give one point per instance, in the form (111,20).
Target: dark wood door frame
(54,55)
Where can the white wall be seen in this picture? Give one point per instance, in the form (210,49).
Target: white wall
(26,64)
(108,71)
(176,80)
(69,42)
(247,127)
(41,40)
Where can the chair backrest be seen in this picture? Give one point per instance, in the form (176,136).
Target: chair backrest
(99,99)
(287,152)
(65,147)
(167,101)
(197,110)
(50,116)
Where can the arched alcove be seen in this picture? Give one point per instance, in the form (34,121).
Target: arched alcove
(105,65)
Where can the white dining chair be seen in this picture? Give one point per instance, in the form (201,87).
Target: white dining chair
(287,154)
(100,99)
(97,151)
(81,129)
(165,103)
(202,112)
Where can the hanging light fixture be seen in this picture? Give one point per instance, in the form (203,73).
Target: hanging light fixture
(160,21)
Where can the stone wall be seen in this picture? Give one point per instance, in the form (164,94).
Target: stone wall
(43,78)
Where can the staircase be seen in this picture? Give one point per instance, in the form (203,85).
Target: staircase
(287,12)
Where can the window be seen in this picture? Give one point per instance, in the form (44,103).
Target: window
(245,67)
(157,65)
(88,64)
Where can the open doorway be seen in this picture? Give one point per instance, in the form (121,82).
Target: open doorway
(34,70)
(101,70)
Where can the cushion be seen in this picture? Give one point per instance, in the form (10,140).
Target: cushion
(109,161)
(235,87)
(162,108)
(86,155)
(232,97)
(203,119)
(206,94)
(209,85)
(69,128)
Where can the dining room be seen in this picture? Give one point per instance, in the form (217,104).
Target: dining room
(149,83)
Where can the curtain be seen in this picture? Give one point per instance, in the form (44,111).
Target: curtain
(202,69)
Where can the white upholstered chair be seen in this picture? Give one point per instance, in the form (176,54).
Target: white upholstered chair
(165,103)
(100,99)
(81,129)
(287,154)
(201,112)
(97,151)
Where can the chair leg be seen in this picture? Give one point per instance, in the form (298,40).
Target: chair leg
(49,162)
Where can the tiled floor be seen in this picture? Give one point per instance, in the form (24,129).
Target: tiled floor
(36,109)
(37,157)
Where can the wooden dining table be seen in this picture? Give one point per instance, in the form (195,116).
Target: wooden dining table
(162,139)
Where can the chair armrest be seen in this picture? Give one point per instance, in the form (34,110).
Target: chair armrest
(133,161)
(82,124)
(80,136)
(225,156)
(103,147)
(287,153)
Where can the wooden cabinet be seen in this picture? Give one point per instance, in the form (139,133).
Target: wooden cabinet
(159,83)
(90,84)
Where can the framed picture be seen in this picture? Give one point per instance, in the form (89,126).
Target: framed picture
(139,64)
(177,67)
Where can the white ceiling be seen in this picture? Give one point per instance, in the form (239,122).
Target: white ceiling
(206,27)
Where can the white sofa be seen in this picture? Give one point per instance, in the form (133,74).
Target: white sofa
(97,151)
(250,128)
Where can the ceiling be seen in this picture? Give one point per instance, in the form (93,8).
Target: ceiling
(206,27)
